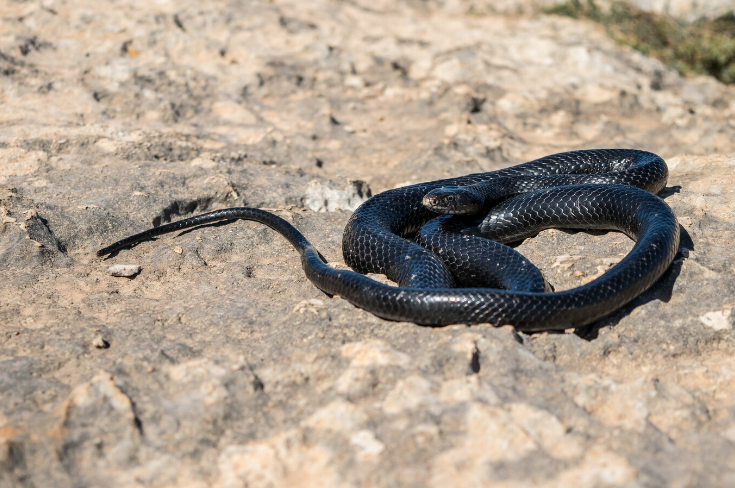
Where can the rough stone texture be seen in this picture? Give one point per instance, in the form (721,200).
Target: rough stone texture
(220,365)
(124,270)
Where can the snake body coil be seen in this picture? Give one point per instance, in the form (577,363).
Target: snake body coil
(394,233)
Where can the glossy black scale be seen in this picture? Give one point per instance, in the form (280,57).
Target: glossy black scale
(593,189)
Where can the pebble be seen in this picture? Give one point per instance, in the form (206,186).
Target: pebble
(99,342)
(124,270)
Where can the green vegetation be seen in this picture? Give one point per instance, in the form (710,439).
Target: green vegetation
(701,47)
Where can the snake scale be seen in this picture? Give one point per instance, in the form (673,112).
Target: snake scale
(456,269)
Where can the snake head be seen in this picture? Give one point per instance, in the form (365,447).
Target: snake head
(453,200)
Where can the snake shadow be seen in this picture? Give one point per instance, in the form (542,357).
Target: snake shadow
(662,290)
(219,223)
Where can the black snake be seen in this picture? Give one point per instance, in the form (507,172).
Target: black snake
(447,268)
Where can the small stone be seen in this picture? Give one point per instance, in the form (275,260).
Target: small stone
(124,270)
(366,444)
(99,342)
(718,319)
(178,250)
(312,306)
(325,198)
(354,81)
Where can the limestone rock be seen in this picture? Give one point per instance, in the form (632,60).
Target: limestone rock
(225,366)
(124,270)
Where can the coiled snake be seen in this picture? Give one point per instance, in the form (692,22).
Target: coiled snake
(447,268)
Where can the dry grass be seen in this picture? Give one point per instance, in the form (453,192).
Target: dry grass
(701,47)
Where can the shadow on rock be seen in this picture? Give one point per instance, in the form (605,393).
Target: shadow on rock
(662,290)
(670,190)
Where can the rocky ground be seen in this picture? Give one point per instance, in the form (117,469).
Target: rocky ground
(220,365)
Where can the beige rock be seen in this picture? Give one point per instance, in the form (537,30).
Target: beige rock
(322,198)
(367,447)
(408,394)
(124,270)
(623,405)
(373,353)
(599,467)
(19,162)
(339,415)
(205,376)
(468,463)
(101,388)
(283,460)
(547,431)
(121,116)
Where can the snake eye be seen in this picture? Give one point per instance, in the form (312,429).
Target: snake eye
(450,198)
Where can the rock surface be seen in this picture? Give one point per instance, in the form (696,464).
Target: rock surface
(221,365)
(124,270)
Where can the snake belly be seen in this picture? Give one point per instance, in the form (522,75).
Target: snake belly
(591,189)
